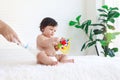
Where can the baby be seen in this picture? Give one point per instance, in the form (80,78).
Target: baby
(47,44)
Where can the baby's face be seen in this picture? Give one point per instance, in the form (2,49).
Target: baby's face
(49,31)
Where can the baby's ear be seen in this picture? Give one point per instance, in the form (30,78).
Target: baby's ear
(42,30)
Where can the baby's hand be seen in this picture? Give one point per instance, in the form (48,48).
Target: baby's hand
(62,39)
(56,40)
(56,47)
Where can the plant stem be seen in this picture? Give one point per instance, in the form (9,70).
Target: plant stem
(96,50)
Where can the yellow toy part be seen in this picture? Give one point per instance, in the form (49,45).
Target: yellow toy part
(65,49)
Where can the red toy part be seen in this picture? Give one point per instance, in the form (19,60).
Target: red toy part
(63,42)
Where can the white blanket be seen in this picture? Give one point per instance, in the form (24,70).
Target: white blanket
(84,68)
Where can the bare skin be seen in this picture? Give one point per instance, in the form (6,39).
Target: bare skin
(46,44)
(8,33)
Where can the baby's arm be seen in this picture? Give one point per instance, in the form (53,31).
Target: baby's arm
(56,40)
(45,42)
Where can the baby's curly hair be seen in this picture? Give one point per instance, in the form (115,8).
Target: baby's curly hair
(47,22)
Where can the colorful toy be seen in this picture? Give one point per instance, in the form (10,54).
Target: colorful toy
(64,46)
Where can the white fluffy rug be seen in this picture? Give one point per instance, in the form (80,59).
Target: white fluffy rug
(84,68)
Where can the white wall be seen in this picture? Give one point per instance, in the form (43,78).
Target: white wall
(24,17)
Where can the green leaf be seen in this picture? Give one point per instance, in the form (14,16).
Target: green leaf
(91,35)
(112,20)
(103,42)
(98,25)
(110,26)
(110,36)
(77,26)
(72,23)
(101,10)
(88,23)
(78,19)
(111,53)
(91,43)
(83,47)
(85,25)
(113,14)
(116,33)
(105,48)
(104,15)
(97,31)
(82,26)
(103,20)
(105,7)
(117,14)
(86,29)
(115,49)
(115,8)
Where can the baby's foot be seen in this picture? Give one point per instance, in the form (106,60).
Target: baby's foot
(48,63)
(53,63)
(67,61)
(71,60)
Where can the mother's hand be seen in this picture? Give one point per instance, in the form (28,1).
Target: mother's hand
(8,33)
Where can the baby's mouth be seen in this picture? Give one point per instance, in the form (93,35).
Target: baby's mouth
(51,34)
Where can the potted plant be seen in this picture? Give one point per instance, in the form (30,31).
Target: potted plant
(106,20)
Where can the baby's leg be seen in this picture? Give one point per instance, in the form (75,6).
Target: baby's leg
(42,58)
(63,58)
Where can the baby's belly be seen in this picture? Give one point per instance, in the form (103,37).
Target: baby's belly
(50,52)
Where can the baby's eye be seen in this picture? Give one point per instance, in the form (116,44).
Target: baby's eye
(51,29)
